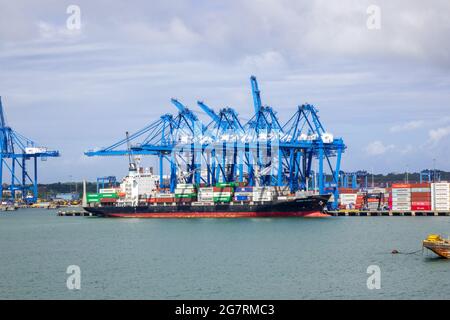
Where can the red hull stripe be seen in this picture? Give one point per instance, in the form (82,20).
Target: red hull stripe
(243,214)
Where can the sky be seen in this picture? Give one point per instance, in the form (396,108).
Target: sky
(385,89)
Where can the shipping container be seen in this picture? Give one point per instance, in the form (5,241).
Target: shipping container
(223,189)
(244,189)
(242,198)
(226,184)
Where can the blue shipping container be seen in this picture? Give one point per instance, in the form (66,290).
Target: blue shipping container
(244,189)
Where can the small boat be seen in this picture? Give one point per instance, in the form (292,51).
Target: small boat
(438,245)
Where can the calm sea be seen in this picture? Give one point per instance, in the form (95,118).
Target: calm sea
(219,259)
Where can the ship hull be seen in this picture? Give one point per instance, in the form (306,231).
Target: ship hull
(305,207)
(442,250)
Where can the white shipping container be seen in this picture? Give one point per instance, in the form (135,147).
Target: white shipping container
(401,189)
(165,195)
(206,194)
(109,190)
(206,199)
(264,192)
(207,203)
(222,194)
(185,185)
(440,196)
(348,195)
(260,189)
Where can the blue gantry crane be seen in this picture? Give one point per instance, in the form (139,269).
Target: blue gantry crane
(430,175)
(263,151)
(16,150)
(358,179)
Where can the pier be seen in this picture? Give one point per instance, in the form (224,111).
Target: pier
(74,213)
(349,213)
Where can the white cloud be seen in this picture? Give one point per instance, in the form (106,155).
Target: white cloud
(411,125)
(266,60)
(436,135)
(176,32)
(377,148)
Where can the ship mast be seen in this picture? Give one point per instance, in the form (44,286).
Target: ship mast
(131,161)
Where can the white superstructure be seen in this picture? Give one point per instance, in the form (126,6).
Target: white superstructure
(138,184)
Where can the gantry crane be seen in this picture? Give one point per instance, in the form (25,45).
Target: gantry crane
(262,151)
(16,150)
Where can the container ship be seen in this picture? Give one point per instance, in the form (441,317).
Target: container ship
(140,197)
(309,206)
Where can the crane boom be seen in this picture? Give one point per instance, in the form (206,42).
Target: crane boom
(209,111)
(256,94)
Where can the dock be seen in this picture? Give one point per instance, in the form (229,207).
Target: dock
(74,213)
(348,213)
(8,208)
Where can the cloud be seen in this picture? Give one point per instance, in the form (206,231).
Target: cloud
(436,135)
(267,60)
(411,125)
(377,148)
(122,68)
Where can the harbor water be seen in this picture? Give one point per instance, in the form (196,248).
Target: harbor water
(290,258)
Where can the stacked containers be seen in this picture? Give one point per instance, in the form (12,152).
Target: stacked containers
(97,197)
(375,200)
(206,194)
(359,200)
(243,194)
(347,198)
(93,197)
(263,193)
(388,197)
(222,194)
(421,196)
(185,193)
(440,192)
(401,197)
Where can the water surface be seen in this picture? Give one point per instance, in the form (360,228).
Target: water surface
(290,258)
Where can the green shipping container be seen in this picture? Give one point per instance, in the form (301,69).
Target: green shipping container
(222,199)
(108,195)
(185,195)
(226,184)
(93,197)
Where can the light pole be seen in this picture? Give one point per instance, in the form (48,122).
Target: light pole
(434,170)
(373,184)
(407,171)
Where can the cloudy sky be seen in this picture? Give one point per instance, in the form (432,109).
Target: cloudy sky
(386,91)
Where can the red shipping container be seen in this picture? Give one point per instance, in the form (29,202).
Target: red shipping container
(421,203)
(417,208)
(420,185)
(224,189)
(108,200)
(184,200)
(400,185)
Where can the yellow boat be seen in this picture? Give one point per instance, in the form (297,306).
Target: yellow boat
(438,245)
